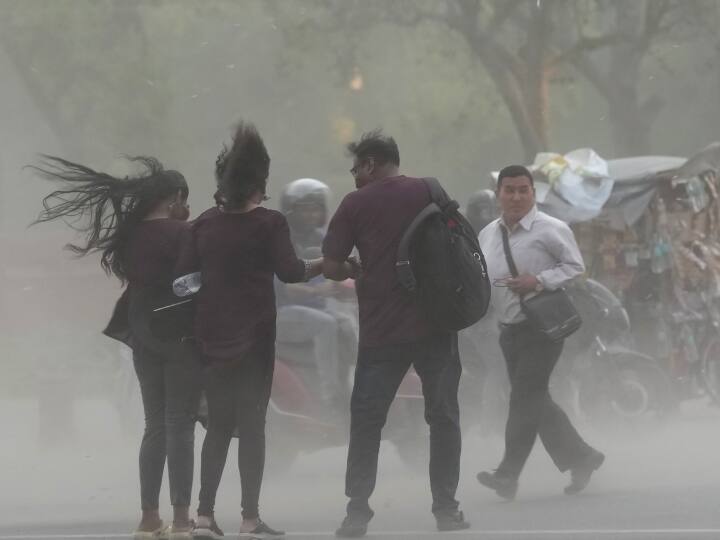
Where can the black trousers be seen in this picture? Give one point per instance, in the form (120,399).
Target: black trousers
(530,358)
(237,395)
(378,374)
(170,392)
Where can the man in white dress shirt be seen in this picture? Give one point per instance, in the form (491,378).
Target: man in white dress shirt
(547,257)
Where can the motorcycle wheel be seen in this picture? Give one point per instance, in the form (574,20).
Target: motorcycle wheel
(632,390)
(634,397)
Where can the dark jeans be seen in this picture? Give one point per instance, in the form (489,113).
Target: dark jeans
(378,374)
(530,358)
(237,394)
(170,392)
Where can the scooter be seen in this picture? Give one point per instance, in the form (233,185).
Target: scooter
(611,380)
(298,419)
(299,423)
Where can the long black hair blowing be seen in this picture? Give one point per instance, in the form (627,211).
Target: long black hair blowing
(242,170)
(105,207)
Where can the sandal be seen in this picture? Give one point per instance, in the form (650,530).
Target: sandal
(161,533)
(182,533)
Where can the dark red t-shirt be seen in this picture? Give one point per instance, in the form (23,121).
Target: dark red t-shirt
(374,219)
(150,258)
(152,252)
(238,256)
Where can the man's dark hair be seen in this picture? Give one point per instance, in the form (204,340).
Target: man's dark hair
(513,171)
(375,145)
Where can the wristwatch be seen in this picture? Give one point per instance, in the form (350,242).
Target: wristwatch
(308,269)
(539,287)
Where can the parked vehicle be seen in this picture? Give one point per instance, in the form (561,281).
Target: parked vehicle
(299,423)
(600,375)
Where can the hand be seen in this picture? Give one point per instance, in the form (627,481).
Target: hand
(523,284)
(355,268)
(316,268)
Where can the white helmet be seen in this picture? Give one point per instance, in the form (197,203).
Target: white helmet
(304,191)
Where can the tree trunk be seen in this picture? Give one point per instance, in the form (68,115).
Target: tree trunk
(630,119)
(524,93)
(531,139)
(536,61)
(631,126)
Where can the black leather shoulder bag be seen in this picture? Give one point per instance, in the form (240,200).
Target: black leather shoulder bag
(552,313)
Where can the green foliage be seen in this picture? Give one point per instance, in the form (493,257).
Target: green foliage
(88,68)
(170,77)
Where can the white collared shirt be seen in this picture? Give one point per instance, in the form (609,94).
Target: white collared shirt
(542,246)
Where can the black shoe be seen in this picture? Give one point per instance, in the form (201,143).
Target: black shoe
(262,531)
(451,521)
(580,475)
(505,486)
(353,526)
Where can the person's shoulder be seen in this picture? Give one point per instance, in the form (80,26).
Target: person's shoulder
(414,179)
(177,225)
(204,217)
(400,184)
(489,229)
(269,214)
(178,228)
(413,182)
(551,222)
(351,200)
(273,219)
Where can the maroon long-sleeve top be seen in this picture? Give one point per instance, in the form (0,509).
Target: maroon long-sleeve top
(238,256)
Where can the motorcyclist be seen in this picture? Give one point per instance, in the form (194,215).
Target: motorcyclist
(303,312)
(481,209)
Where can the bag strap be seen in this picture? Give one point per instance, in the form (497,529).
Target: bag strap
(402,264)
(440,203)
(508,252)
(439,196)
(437,193)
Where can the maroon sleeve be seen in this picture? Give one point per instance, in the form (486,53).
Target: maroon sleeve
(285,263)
(340,239)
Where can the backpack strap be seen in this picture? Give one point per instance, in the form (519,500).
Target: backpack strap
(440,203)
(402,264)
(439,196)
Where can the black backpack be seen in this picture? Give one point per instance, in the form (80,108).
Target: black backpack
(440,263)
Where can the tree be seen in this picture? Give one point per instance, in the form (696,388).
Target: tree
(523,44)
(87,67)
(520,74)
(610,42)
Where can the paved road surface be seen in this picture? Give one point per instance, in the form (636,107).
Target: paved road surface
(659,483)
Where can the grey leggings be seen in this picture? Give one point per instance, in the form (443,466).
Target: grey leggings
(169,384)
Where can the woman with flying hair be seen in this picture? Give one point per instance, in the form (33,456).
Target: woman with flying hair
(137,223)
(238,247)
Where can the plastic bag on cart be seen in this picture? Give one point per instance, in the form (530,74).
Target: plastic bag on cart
(580,177)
